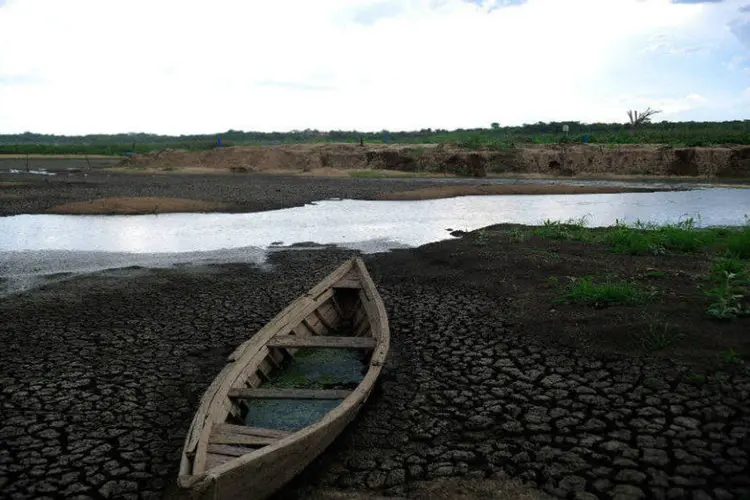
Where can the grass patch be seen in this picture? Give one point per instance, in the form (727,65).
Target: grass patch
(652,239)
(607,293)
(658,334)
(517,235)
(730,357)
(481,237)
(654,274)
(657,240)
(573,229)
(731,286)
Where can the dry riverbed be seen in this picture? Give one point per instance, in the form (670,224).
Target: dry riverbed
(492,380)
(100,191)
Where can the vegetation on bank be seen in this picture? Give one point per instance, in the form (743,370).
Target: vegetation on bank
(715,282)
(678,134)
(606,292)
(642,239)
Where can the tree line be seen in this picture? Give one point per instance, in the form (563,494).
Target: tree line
(664,132)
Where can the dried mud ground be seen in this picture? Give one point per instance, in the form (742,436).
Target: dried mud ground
(489,381)
(102,191)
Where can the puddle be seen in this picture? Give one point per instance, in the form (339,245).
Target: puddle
(32,172)
(39,245)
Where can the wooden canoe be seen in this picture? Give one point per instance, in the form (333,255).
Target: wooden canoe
(223,457)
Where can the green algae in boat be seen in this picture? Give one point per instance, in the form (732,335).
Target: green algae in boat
(236,447)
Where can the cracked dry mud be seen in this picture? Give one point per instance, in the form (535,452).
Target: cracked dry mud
(100,377)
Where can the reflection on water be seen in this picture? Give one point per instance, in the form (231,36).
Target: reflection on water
(365,225)
(40,245)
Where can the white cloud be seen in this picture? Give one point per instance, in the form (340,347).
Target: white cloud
(667,105)
(185,66)
(736,62)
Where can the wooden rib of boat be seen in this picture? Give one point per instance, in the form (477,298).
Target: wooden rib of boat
(223,458)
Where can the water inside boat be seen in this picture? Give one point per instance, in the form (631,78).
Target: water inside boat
(309,369)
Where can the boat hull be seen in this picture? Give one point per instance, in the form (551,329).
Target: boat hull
(263,471)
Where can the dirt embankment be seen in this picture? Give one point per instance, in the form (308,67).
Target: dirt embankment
(558,160)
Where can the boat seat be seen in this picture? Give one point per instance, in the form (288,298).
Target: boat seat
(228,434)
(268,393)
(293,341)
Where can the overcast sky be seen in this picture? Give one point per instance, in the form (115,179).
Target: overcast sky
(183,66)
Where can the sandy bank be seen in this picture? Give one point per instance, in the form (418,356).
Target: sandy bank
(134,206)
(432,193)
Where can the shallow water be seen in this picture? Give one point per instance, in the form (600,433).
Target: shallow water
(311,369)
(369,226)
(40,245)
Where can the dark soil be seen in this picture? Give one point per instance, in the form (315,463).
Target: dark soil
(235,192)
(239,192)
(529,279)
(101,374)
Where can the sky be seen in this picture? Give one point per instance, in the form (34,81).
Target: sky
(183,66)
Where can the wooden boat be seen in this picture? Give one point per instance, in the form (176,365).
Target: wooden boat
(223,457)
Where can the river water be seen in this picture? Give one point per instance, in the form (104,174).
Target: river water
(42,245)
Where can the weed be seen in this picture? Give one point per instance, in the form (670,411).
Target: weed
(696,378)
(573,229)
(657,337)
(651,239)
(727,264)
(517,235)
(481,237)
(653,273)
(738,242)
(586,291)
(545,255)
(645,239)
(730,357)
(730,279)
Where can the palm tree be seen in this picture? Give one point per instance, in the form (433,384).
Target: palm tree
(637,119)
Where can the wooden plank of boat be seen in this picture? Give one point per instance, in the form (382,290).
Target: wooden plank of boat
(222,460)
(261,393)
(252,431)
(348,283)
(228,437)
(323,341)
(228,450)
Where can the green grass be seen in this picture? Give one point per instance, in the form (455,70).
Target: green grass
(731,287)
(696,378)
(658,334)
(573,229)
(652,239)
(517,235)
(655,274)
(481,237)
(730,357)
(609,135)
(587,291)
